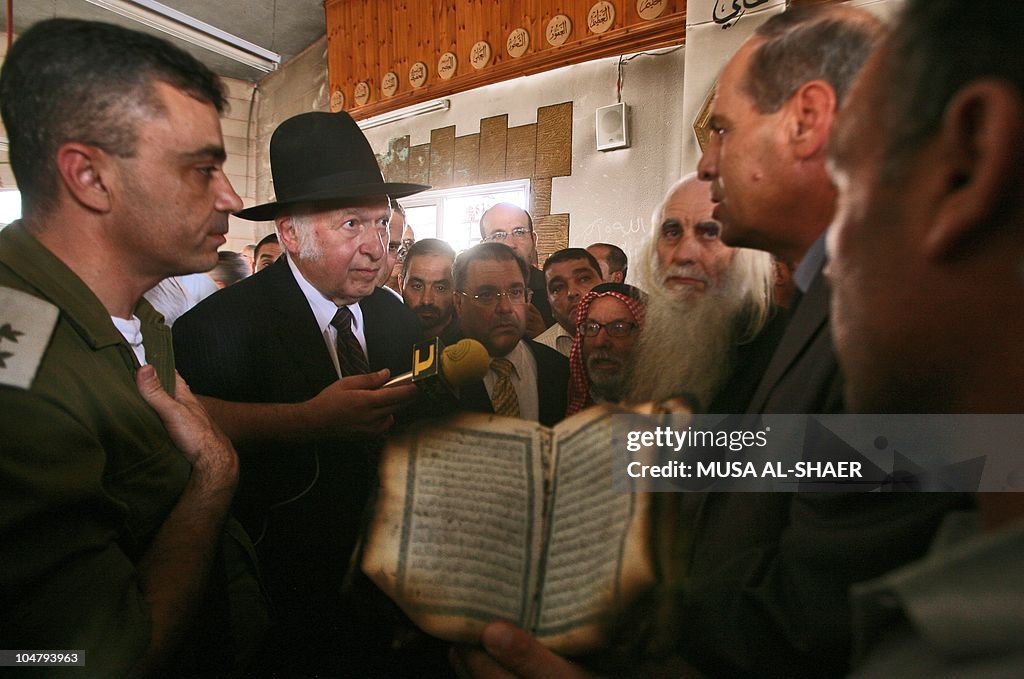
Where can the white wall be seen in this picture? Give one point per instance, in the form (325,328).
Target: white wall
(610,195)
(239,167)
(711,45)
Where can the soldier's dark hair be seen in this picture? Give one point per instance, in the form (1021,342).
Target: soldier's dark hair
(935,48)
(67,80)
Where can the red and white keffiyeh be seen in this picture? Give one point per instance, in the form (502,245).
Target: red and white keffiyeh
(579,389)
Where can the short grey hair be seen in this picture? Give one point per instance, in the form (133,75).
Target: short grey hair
(809,43)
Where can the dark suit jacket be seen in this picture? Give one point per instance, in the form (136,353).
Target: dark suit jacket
(257,341)
(552,387)
(538,284)
(803,376)
(768,574)
(751,361)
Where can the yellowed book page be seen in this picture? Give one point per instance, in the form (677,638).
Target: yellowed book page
(457,530)
(598,555)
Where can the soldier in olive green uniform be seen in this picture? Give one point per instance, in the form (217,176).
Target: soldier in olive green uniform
(115,543)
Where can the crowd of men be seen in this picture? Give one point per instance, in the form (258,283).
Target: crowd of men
(191,500)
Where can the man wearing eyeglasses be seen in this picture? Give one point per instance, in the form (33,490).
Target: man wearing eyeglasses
(491,298)
(509,224)
(608,323)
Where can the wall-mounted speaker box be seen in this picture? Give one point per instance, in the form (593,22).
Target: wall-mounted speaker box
(612,125)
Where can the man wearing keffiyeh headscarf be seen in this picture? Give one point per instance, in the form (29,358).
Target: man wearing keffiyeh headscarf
(608,321)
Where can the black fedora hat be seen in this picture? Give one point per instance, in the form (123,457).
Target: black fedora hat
(317,157)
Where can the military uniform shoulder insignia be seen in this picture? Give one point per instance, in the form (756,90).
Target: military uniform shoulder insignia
(26,325)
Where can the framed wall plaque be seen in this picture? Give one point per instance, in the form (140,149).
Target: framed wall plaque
(337,101)
(418,74)
(389,84)
(446,65)
(601,17)
(480,55)
(558,31)
(650,9)
(362,92)
(517,43)
(701,126)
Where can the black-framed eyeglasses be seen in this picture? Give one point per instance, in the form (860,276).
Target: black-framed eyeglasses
(614,329)
(490,297)
(519,233)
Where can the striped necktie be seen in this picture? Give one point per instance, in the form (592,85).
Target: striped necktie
(351,358)
(503,395)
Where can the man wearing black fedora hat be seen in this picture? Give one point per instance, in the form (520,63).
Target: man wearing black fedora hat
(292,362)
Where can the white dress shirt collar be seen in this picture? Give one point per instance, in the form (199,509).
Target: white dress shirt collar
(323,310)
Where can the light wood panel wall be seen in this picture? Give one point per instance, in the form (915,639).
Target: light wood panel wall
(368,38)
(536,151)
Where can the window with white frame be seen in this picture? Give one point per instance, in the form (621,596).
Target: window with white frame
(453,215)
(10,206)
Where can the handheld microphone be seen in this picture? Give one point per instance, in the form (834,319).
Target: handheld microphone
(440,370)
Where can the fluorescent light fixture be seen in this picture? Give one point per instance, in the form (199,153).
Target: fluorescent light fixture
(192,30)
(403,113)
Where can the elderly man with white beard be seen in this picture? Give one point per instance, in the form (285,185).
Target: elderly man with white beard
(711,327)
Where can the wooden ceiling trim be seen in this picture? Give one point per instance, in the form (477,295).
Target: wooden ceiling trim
(357,35)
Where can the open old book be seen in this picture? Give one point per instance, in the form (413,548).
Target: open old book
(483,517)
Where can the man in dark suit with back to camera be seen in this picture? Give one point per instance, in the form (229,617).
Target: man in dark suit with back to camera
(526,379)
(928,162)
(291,362)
